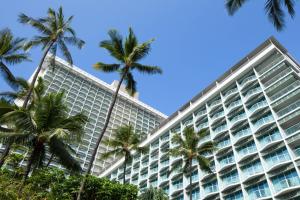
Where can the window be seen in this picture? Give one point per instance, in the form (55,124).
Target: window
(247,149)
(270,137)
(226,160)
(258,191)
(196,194)
(177,184)
(235,196)
(252,168)
(230,178)
(285,180)
(195,176)
(279,156)
(211,187)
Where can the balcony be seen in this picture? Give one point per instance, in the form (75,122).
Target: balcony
(270,139)
(287,184)
(252,172)
(230,93)
(217,116)
(286,90)
(274,64)
(257,107)
(215,103)
(262,122)
(248,80)
(220,130)
(289,109)
(234,105)
(237,119)
(277,77)
(242,134)
(253,92)
(202,126)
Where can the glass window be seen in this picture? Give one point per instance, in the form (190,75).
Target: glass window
(285,180)
(279,156)
(247,149)
(235,196)
(259,190)
(211,187)
(252,168)
(230,178)
(226,159)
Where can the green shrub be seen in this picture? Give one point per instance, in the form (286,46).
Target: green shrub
(53,184)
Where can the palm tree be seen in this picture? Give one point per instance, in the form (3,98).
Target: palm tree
(128,54)
(46,123)
(56,32)
(11,52)
(125,142)
(153,194)
(7,105)
(273,9)
(190,148)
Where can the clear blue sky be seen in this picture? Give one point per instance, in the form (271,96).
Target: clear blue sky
(196,41)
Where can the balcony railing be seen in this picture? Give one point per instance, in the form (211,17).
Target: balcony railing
(274,63)
(217,115)
(230,92)
(237,118)
(253,91)
(285,90)
(263,121)
(277,77)
(220,129)
(293,129)
(248,79)
(216,102)
(258,105)
(234,104)
(286,183)
(289,108)
(269,139)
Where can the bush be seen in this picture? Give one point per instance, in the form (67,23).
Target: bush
(53,184)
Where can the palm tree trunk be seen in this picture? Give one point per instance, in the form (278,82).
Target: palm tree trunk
(5,153)
(28,166)
(124,170)
(50,160)
(35,76)
(191,191)
(102,133)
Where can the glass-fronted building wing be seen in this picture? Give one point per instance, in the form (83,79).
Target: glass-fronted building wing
(87,94)
(252,113)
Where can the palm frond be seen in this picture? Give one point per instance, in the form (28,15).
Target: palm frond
(8,76)
(290,4)
(140,51)
(36,23)
(130,42)
(59,149)
(130,84)
(147,69)
(233,5)
(63,47)
(275,13)
(204,163)
(74,41)
(106,67)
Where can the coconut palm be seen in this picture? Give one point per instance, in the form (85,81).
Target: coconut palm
(126,141)
(7,105)
(190,148)
(153,194)
(56,33)
(127,54)
(273,8)
(11,53)
(46,123)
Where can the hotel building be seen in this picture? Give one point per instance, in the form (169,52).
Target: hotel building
(252,112)
(85,93)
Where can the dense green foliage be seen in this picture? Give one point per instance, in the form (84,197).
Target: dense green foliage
(153,194)
(53,184)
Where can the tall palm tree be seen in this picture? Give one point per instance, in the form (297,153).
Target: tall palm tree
(56,32)
(46,123)
(7,105)
(125,142)
(128,54)
(11,52)
(273,8)
(190,148)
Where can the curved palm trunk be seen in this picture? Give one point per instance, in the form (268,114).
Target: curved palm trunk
(102,133)
(35,76)
(50,160)
(5,153)
(28,166)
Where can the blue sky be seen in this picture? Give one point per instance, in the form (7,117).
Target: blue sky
(196,40)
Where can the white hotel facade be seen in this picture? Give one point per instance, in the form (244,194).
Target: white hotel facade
(252,112)
(90,95)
